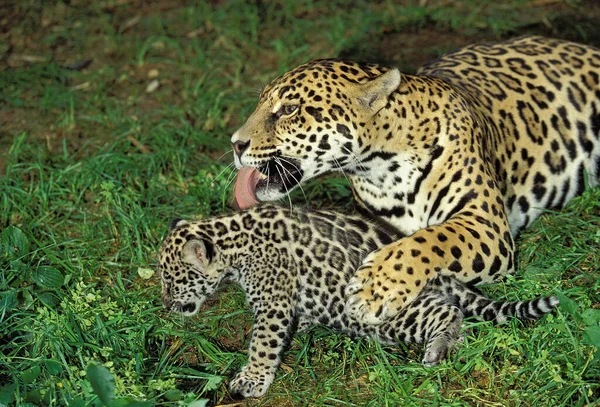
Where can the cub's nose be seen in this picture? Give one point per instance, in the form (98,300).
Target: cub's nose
(168,304)
(239,147)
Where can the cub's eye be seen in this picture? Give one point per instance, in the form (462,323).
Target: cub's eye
(286,110)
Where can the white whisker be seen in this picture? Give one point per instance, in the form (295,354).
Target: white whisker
(293,176)
(228,167)
(230,179)
(268,175)
(224,154)
(277,165)
(355,159)
(342,170)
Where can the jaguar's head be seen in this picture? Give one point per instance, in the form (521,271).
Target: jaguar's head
(189,269)
(308,122)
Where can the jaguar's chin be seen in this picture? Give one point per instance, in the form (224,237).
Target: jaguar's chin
(186,309)
(279,176)
(271,181)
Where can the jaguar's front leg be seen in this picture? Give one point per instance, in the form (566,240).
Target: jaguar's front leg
(469,247)
(271,333)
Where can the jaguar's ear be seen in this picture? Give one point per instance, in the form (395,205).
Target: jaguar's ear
(177,222)
(198,252)
(374,94)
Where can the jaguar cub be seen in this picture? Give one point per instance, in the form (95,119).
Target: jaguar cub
(294,268)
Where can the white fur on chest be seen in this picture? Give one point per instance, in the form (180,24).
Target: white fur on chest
(386,193)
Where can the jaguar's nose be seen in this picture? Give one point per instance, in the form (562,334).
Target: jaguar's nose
(239,147)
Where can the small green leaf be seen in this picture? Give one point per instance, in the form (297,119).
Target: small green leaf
(27,299)
(568,305)
(128,402)
(33,396)
(30,375)
(48,299)
(48,277)
(14,242)
(53,367)
(199,403)
(8,301)
(77,402)
(102,382)
(213,383)
(7,394)
(173,395)
(19,269)
(591,336)
(145,273)
(591,316)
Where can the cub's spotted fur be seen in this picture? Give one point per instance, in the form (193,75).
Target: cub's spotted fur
(295,268)
(459,157)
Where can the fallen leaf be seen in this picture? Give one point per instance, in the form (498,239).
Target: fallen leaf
(145,273)
(152,86)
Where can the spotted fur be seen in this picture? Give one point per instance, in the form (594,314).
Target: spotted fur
(459,157)
(294,269)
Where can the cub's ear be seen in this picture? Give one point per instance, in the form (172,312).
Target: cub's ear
(198,252)
(374,94)
(177,222)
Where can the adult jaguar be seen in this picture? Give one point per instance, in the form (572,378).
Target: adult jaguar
(459,157)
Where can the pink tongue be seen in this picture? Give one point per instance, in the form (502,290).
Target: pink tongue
(245,187)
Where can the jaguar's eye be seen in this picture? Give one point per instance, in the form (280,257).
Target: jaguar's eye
(286,110)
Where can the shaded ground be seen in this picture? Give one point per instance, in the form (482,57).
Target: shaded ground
(86,46)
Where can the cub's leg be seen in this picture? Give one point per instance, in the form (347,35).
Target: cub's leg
(443,332)
(271,333)
(469,247)
(432,318)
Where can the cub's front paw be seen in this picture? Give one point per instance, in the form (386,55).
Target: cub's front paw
(250,384)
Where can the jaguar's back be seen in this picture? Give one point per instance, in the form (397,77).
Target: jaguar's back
(540,100)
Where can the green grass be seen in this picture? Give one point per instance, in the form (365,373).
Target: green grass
(94,167)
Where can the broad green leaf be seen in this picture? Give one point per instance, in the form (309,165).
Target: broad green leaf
(77,402)
(18,268)
(199,403)
(49,299)
(53,367)
(14,242)
(48,277)
(8,301)
(33,396)
(102,382)
(7,394)
(173,395)
(127,402)
(592,336)
(568,305)
(27,298)
(30,375)
(591,316)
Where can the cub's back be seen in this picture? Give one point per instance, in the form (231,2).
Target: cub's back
(335,241)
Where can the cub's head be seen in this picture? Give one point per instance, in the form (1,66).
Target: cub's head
(309,121)
(189,269)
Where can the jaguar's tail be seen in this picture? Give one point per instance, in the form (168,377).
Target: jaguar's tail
(473,303)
